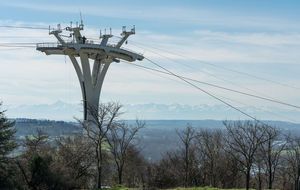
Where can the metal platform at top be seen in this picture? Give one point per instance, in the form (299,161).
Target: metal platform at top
(79,44)
(92,49)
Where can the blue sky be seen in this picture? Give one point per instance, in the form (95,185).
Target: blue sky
(260,37)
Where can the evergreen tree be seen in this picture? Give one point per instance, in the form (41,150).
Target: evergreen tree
(7,145)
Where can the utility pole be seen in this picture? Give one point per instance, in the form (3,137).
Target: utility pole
(81,51)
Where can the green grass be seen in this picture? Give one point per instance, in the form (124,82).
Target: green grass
(202,188)
(196,188)
(179,188)
(119,188)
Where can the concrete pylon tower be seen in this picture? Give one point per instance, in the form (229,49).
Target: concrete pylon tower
(82,52)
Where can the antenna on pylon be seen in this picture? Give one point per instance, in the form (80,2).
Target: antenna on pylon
(81,21)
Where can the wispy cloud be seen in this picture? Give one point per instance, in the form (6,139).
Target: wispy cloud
(183,15)
(271,39)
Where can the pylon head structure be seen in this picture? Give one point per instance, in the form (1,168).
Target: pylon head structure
(81,50)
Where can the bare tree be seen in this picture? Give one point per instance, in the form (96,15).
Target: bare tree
(103,120)
(210,144)
(229,171)
(37,142)
(243,140)
(186,137)
(271,152)
(293,159)
(34,163)
(120,138)
(168,172)
(260,167)
(135,169)
(74,160)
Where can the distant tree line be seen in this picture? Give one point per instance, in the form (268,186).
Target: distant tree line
(246,154)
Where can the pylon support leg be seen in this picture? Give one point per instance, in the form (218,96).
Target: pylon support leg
(90,82)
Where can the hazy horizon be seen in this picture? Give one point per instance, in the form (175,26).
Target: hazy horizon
(151,111)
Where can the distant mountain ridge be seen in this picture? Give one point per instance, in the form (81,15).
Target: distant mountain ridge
(152,111)
(151,138)
(23,124)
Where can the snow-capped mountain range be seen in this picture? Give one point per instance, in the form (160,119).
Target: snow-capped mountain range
(66,111)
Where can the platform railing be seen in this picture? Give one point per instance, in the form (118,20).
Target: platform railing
(57,44)
(48,45)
